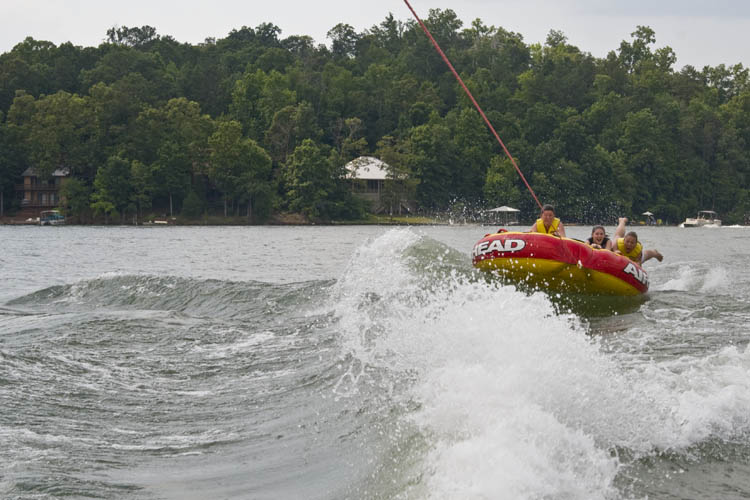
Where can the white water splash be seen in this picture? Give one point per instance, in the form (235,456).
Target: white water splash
(516,401)
(696,278)
(715,279)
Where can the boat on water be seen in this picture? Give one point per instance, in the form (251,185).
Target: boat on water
(705,218)
(553,263)
(51,218)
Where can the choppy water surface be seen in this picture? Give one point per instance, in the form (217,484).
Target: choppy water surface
(363,362)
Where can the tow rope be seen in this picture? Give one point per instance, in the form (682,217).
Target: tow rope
(476,105)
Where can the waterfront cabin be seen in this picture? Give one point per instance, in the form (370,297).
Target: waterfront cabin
(368,177)
(37,194)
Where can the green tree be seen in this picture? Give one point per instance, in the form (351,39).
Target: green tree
(132,37)
(274,96)
(308,179)
(76,196)
(192,206)
(172,171)
(142,187)
(500,183)
(245,106)
(11,163)
(559,74)
(632,55)
(58,131)
(116,107)
(401,184)
(343,40)
(347,138)
(112,187)
(39,67)
(290,126)
(255,186)
(435,156)
(649,156)
(172,140)
(314,184)
(610,187)
(474,147)
(120,61)
(732,172)
(225,159)
(241,169)
(207,79)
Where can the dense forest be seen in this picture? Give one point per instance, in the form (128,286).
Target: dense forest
(255,124)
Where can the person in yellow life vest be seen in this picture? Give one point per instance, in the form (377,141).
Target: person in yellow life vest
(547,223)
(629,246)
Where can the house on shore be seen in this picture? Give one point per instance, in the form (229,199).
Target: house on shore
(37,194)
(370,181)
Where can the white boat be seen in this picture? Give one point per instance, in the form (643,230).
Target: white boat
(51,218)
(706,218)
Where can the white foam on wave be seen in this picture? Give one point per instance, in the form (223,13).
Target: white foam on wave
(516,401)
(685,278)
(79,289)
(707,397)
(177,441)
(716,278)
(376,277)
(695,278)
(244,342)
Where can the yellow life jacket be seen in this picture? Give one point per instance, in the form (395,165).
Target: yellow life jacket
(633,255)
(540,228)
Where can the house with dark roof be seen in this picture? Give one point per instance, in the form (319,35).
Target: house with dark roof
(37,193)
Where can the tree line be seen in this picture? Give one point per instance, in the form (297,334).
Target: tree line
(255,124)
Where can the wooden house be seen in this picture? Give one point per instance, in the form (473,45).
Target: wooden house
(37,194)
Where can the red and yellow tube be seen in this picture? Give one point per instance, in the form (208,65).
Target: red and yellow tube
(559,264)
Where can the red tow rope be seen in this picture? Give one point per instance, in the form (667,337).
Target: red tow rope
(476,105)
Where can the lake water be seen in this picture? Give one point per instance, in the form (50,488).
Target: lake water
(363,362)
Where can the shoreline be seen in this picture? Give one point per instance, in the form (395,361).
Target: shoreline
(293,220)
(300,220)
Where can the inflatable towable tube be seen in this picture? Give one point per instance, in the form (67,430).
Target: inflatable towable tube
(558,264)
